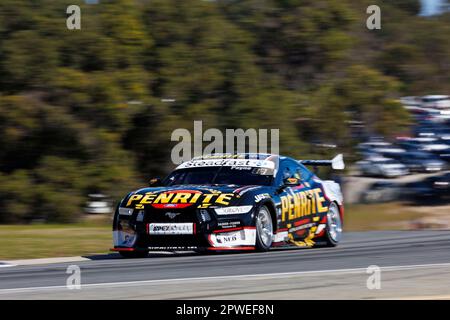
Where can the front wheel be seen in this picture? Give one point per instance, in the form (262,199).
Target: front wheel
(333,230)
(264,229)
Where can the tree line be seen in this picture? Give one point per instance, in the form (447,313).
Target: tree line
(92,110)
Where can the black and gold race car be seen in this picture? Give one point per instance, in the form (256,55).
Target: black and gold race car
(232,202)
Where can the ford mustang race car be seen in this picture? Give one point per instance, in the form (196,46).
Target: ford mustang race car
(232,202)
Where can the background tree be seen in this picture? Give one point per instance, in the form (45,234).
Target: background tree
(93,110)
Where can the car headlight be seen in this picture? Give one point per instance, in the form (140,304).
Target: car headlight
(125,211)
(233,210)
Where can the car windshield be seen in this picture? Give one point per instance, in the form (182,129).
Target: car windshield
(220,175)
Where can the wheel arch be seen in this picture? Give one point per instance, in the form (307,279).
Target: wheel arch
(273,213)
(340,207)
(333,193)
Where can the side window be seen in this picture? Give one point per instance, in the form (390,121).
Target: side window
(298,174)
(289,169)
(287,172)
(303,172)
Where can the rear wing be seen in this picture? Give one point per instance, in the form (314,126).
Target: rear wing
(337,163)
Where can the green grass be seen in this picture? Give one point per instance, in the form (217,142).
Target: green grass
(54,240)
(94,236)
(387,216)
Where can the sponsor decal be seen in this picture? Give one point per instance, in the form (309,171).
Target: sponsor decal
(228,224)
(243,237)
(228,238)
(174,248)
(307,240)
(301,227)
(262,196)
(241,168)
(170,228)
(234,163)
(303,203)
(179,199)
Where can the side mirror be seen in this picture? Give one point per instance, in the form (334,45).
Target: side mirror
(155,182)
(291,182)
(288,182)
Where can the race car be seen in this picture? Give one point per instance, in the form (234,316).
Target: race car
(225,202)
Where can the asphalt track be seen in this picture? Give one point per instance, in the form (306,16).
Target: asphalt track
(414,265)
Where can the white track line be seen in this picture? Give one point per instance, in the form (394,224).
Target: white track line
(29,262)
(39,261)
(242,277)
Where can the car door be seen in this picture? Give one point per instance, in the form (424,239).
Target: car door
(298,207)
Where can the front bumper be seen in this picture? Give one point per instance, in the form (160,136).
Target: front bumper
(233,232)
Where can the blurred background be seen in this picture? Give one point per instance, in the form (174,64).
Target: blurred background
(86,115)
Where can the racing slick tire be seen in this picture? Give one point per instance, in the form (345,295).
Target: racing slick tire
(264,229)
(134,254)
(333,229)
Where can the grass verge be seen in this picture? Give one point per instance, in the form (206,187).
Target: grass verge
(94,236)
(54,240)
(386,216)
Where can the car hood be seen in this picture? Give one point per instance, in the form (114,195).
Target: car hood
(184,196)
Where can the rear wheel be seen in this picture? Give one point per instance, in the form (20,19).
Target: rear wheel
(134,254)
(264,229)
(333,230)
